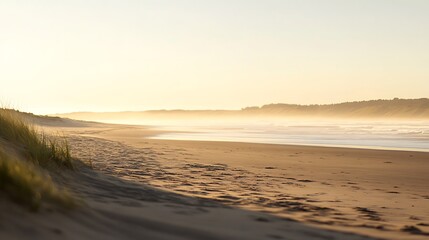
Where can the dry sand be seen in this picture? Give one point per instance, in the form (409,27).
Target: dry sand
(156,189)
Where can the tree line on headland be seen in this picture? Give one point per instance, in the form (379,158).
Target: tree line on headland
(393,109)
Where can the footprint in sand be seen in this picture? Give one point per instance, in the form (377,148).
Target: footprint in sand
(414,230)
(369,214)
(393,192)
(269,168)
(305,180)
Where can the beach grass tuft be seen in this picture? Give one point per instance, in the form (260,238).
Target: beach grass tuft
(22,178)
(41,149)
(25,184)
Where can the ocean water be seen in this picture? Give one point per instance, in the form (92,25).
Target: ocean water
(411,135)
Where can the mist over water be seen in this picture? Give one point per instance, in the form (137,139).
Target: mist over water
(400,135)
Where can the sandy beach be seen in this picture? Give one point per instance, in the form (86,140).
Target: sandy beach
(223,120)
(160,189)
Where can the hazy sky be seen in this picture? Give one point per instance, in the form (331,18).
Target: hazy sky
(102,55)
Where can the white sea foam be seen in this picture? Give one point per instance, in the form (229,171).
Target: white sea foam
(357,134)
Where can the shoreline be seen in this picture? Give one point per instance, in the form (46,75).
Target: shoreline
(155,137)
(155,133)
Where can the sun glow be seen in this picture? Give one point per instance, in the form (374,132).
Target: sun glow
(112,55)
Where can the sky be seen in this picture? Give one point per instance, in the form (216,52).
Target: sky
(102,55)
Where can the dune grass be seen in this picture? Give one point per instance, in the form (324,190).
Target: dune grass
(21,177)
(25,184)
(41,149)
